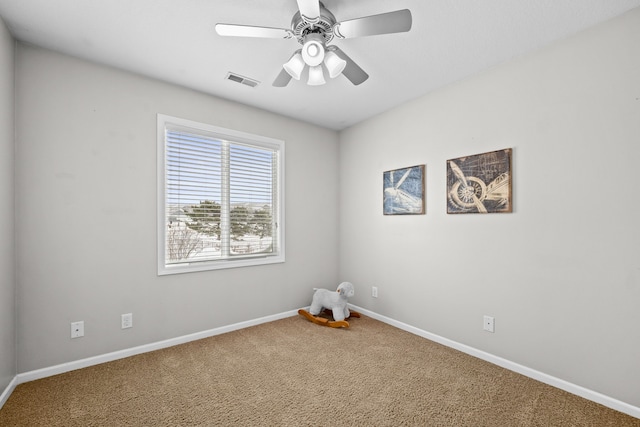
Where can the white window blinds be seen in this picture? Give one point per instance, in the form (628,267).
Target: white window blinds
(221,194)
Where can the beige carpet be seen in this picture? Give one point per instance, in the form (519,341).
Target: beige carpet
(294,373)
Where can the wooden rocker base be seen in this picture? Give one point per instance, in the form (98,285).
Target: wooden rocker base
(326,322)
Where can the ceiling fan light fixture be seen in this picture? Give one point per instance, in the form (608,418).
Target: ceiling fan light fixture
(295,65)
(316,76)
(313,50)
(334,64)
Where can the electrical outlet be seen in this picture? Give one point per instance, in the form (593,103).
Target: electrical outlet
(488,324)
(127,320)
(77,329)
(374,291)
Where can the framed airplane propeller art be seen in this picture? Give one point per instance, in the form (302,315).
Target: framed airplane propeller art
(403,191)
(480,183)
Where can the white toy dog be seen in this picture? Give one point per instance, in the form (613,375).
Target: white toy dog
(336,301)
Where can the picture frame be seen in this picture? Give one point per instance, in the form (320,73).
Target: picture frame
(403,191)
(480,183)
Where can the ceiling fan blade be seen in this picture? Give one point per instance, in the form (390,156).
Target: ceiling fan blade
(385,23)
(250,31)
(282,80)
(309,9)
(352,71)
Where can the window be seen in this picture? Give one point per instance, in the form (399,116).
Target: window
(220,197)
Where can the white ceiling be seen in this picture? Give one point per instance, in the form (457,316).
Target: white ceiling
(175,41)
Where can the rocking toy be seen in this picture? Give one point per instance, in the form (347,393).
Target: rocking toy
(334,303)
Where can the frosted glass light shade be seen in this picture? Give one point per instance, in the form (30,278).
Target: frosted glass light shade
(316,76)
(313,52)
(334,64)
(294,66)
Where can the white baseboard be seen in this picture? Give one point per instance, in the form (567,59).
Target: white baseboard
(594,396)
(512,366)
(96,360)
(7,391)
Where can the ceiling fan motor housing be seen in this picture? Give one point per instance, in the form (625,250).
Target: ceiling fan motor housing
(323,26)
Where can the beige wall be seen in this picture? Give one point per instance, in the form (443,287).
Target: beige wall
(86,213)
(7,209)
(561,274)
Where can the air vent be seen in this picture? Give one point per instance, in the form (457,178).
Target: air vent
(242,80)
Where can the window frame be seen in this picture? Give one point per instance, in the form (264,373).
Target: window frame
(232,136)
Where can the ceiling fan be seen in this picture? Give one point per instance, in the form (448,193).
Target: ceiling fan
(314,27)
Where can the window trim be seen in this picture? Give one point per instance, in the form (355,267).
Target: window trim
(163,121)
